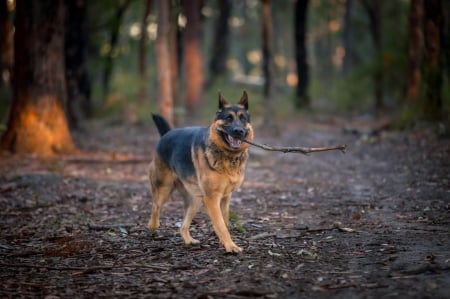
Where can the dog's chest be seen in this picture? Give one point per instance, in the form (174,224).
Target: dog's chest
(233,165)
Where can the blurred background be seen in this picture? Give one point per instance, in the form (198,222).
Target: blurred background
(127,58)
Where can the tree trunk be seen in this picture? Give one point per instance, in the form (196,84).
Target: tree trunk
(269,108)
(142,63)
(6,44)
(218,63)
(193,57)
(373,8)
(348,37)
(113,40)
(165,96)
(37,122)
(300,19)
(174,43)
(415,56)
(77,77)
(432,67)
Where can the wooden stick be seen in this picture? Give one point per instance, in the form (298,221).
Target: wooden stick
(301,150)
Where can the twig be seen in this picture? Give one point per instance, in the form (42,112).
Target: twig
(301,150)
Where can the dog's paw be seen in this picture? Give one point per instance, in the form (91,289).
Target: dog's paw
(153,225)
(233,248)
(191,241)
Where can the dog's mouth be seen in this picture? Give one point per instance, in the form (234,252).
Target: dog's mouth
(233,142)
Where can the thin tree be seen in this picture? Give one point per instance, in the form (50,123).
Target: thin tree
(193,58)
(37,122)
(113,40)
(300,25)
(165,96)
(220,45)
(373,8)
(175,54)
(348,37)
(266,19)
(415,55)
(142,58)
(6,44)
(433,65)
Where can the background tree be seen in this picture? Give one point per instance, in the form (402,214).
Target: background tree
(37,122)
(266,19)
(77,77)
(433,62)
(348,38)
(302,97)
(373,8)
(165,97)
(116,23)
(142,62)
(193,56)
(220,44)
(415,54)
(6,44)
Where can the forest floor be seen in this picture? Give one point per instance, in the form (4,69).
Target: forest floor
(371,223)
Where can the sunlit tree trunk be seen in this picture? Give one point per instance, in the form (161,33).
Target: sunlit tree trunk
(300,19)
(416,44)
(37,122)
(433,67)
(142,58)
(165,96)
(77,77)
(193,58)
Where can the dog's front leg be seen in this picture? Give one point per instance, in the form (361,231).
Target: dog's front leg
(225,208)
(212,205)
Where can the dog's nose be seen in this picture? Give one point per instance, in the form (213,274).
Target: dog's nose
(238,131)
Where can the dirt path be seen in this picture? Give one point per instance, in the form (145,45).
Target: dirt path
(371,223)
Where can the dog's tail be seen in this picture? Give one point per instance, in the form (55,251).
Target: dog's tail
(161,124)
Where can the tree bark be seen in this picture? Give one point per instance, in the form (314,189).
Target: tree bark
(174,44)
(165,96)
(300,20)
(142,63)
(432,67)
(266,19)
(218,62)
(373,8)
(6,44)
(415,54)
(77,77)
(37,122)
(193,57)
(113,40)
(348,37)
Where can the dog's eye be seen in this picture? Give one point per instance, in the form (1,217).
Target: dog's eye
(229,117)
(242,118)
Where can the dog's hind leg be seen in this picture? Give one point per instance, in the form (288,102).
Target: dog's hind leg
(162,182)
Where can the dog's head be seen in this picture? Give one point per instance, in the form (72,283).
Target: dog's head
(232,125)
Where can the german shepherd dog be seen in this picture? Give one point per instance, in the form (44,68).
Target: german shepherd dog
(206,164)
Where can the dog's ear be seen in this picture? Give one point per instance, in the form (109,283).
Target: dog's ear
(244,100)
(222,101)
